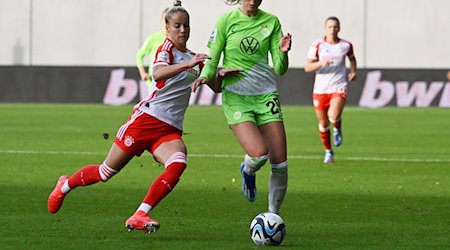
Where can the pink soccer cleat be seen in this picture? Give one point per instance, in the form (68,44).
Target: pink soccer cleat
(141,221)
(56,197)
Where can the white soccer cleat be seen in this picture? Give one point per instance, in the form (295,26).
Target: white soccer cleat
(328,159)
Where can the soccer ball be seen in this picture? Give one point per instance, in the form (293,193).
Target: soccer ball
(267,229)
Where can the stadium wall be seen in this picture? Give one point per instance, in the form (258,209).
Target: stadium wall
(73,46)
(118,86)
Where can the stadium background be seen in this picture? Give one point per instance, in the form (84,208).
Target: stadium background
(80,51)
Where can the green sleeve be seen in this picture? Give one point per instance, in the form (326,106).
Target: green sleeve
(149,47)
(216,45)
(143,52)
(280,59)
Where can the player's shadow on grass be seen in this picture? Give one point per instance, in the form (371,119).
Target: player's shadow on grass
(215,218)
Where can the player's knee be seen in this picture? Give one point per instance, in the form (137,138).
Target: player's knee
(256,163)
(334,120)
(175,166)
(279,168)
(106,172)
(323,128)
(176,163)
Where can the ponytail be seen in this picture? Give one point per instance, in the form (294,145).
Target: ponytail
(176,2)
(175,8)
(232,2)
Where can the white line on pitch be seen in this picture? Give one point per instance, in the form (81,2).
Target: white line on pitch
(235,156)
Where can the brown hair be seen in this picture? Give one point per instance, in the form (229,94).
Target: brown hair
(333,18)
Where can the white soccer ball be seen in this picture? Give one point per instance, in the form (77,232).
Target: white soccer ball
(267,229)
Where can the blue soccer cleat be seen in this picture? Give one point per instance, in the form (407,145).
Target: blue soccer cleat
(248,185)
(337,135)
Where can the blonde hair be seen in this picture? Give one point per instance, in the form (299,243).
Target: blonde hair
(175,8)
(231,2)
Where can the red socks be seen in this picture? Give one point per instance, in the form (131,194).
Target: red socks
(164,183)
(337,124)
(325,137)
(85,176)
(91,174)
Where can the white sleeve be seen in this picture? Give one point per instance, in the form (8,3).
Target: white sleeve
(312,53)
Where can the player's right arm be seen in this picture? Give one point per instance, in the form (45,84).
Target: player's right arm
(163,67)
(216,45)
(312,59)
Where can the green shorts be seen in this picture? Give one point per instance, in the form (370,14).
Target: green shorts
(259,109)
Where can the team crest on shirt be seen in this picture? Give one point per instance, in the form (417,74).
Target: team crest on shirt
(264,30)
(237,115)
(129,141)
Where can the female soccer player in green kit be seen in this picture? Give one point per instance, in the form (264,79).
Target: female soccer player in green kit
(245,36)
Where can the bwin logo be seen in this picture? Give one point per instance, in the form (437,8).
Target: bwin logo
(249,45)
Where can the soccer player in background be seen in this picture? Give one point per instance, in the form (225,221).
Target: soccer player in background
(326,57)
(150,127)
(245,36)
(148,49)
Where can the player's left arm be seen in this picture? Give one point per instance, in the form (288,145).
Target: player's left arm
(279,46)
(216,83)
(353,67)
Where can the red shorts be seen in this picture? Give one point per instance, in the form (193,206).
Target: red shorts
(322,101)
(144,132)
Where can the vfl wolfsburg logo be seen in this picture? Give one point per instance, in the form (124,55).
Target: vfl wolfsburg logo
(249,45)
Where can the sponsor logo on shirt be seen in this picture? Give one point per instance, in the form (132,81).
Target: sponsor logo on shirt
(249,45)
(163,56)
(212,36)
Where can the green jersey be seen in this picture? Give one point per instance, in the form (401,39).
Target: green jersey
(149,48)
(245,43)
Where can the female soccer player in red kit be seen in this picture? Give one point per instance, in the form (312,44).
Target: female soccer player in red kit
(326,57)
(155,125)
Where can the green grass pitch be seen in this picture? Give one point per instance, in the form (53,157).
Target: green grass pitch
(388,189)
